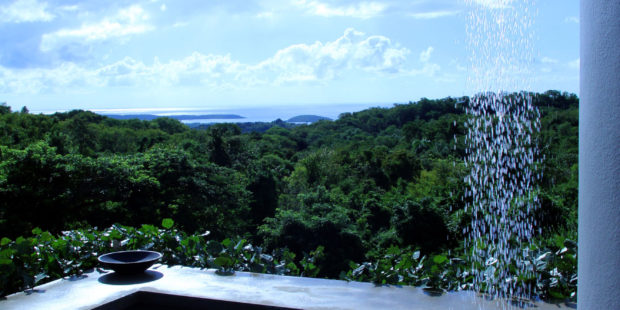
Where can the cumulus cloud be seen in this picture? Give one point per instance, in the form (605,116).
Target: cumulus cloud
(433,14)
(575,63)
(358,10)
(425,55)
(127,21)
(265,15)
(32,81)
(428,68)
(572,19)
(493,4)
(180,24)
(548,60)
(21,11)
(354,51)
(324,61)
(68,8)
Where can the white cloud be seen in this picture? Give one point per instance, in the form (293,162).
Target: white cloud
(548,60)
(33,81)
(433,15)
(425,55)
(575,63)
(265,15)
(325,61)
(354,51)
(180,24)
(68,8)
(428,68)
(572,19)
(493,4)
(548,64)
(128,21)
(360,10)
(21,11)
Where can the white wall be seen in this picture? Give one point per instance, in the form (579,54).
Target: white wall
(599,156)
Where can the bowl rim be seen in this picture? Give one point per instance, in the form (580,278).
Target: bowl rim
(159,255)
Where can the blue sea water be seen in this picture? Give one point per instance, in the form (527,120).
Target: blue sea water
(256,114)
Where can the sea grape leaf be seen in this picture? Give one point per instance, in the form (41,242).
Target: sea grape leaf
(439,259)
(5,261)
(167,223)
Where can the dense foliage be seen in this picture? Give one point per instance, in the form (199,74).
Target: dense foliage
(378,193)
(25,262)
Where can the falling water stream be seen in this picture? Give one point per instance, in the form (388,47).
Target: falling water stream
(501,154)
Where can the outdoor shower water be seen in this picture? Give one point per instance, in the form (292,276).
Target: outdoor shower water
(501,153)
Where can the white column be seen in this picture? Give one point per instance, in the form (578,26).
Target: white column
(599,156)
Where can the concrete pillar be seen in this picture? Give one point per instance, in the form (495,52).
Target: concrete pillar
(599,156)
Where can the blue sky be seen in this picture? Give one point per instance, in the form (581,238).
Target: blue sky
(214,54)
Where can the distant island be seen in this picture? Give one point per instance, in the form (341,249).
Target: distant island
(262,127)
(299,119)
(149,117)
(307,119)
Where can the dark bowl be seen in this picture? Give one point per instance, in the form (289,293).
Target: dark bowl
(129,262)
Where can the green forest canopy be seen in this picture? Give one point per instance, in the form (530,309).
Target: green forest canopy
(357,186)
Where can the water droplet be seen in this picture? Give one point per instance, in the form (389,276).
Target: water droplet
(499,150)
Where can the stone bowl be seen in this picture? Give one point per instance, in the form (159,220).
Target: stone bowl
(129,262)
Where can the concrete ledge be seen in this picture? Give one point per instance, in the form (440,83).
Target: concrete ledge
(95,289)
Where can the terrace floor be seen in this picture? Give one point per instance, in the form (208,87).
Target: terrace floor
(101,290)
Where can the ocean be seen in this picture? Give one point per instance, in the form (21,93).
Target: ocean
(252,114)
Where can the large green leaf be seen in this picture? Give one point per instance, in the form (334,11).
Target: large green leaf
(167,223)
(5,241)
(439,259)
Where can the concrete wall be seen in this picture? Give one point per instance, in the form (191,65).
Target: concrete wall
(599,156)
